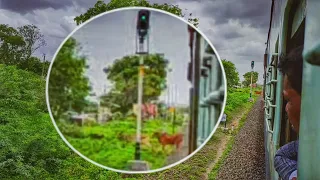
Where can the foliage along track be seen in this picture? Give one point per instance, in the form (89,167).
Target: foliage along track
(198,166)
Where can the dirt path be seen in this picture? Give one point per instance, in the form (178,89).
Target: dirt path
(224,140)
(246,159)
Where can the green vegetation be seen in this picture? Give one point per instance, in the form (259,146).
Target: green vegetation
(30,146)
(123,73)
(113,144)
(247,78)
(235,99)
(17,46)
(232,74)
(68,85)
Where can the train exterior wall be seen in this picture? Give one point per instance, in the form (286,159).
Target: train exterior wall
(284,26)
(275,45)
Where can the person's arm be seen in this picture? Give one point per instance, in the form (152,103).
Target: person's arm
(285,161)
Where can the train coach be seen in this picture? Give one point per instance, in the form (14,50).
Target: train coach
(293,23)
(207,93)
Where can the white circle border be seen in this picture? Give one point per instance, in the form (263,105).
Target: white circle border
(149,171)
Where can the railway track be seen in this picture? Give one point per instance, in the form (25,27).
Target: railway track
(246,159)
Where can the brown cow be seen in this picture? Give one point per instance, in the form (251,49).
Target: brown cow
(166,139)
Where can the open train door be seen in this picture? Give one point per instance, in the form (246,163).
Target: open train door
(194,77)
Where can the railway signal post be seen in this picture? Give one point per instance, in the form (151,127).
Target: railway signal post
(142,49)
(252,66)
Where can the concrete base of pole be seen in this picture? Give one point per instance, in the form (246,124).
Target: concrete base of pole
(138,165)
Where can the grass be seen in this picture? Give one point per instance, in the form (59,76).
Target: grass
(113,144)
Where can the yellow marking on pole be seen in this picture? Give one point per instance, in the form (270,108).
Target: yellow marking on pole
(142,70)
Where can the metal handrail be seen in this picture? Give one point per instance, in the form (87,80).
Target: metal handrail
(271,105)
(267,123)
(272,81)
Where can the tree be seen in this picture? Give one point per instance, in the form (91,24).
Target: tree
(124,75)
(34,64)
(33,39)
(232,74)
(68,86)
(101,7)
(11,45)
(247,78)
(18,45)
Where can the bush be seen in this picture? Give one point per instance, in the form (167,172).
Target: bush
(236,99)
(90,122)
(29,145)
(117,115)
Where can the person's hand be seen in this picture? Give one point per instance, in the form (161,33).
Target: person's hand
(294,178)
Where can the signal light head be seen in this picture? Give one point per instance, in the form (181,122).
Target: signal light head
(143,20)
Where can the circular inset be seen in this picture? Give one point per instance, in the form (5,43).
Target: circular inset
(136,90)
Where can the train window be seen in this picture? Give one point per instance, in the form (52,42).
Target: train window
(296,25)
(299,16)
(295,38)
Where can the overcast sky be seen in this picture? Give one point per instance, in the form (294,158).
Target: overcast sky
(237,28)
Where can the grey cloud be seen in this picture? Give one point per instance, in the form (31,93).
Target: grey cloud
(232,35)
(255,12)
(25,6)
(67,28)
(54,24)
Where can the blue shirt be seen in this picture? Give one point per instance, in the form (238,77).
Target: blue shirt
(285,160)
